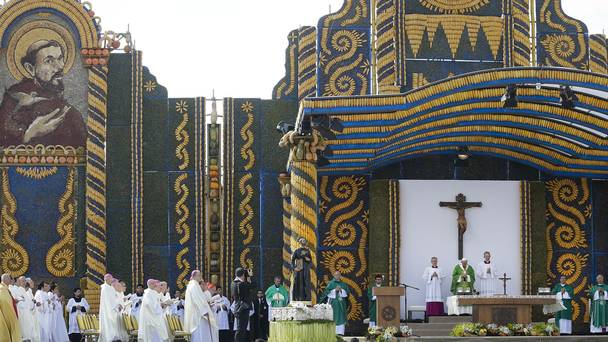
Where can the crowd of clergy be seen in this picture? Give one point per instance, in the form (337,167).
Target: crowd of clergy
(36,313)
(482,279)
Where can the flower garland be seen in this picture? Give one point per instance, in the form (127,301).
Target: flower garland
(477,329)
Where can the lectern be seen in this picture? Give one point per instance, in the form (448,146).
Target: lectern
(388,305)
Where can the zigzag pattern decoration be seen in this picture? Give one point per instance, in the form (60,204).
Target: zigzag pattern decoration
(287,86)
(386,46)
(96,176)
(598,57)
(307,62)
(454,25)
(520,31)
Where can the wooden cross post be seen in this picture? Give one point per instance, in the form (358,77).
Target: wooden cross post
(504,283)
(460,206)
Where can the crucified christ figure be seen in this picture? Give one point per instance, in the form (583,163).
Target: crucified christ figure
(460,206)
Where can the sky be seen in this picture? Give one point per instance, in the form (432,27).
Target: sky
(237,47)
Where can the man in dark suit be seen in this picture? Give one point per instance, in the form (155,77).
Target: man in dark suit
(260,318)
(241,293)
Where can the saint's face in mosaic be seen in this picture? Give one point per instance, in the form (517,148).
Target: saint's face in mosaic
(34,110)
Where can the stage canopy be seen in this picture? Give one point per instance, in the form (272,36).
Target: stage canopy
(467,111)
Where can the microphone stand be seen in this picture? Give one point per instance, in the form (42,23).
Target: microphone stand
(405,299)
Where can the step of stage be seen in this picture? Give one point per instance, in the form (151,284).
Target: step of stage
(451,319)
(432,329)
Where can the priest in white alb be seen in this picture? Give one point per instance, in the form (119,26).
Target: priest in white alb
(43,311)
(199,320)
(28,314)
(432,277)
(109,324)
(152,324)
(25,308)
(487,275)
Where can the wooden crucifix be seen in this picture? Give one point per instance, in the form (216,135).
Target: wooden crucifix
(504,283)
(460,206)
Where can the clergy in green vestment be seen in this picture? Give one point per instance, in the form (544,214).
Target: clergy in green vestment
(599,306)
(463,278)
(563,318)
(336,294)
(276,295)
(372,300)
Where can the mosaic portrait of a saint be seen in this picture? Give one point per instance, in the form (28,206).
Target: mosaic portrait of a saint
(37,108)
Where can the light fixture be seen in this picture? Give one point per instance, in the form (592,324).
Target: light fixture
(462,157)
(463,153)
(284,127)
(509,99)
(567,98)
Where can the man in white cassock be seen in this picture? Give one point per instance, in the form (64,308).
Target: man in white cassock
(221,308)
(177,308)
(25,308)
(136,299)
(432,277)
(109,324)
(199,320)
(487,275)
(44,311)
(76,306)
(152,324)
(60,332)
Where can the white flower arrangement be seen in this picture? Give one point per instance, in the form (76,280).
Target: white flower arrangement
(300,311)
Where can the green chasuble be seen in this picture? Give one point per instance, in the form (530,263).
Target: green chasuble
(277,297)
(459,280)
(372,304)
(338,304)
(564,314)
(599,307)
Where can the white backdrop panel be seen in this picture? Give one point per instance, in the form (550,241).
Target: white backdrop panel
(428,230)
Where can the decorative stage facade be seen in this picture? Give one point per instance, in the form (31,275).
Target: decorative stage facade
(132,182)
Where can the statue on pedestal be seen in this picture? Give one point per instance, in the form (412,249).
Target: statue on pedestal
(301,262)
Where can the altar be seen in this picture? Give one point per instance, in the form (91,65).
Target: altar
(502,310)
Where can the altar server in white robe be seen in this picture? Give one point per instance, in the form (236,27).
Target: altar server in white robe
(76,306)
(109,324)
(199,319)
(487,275)
(152,323)
(432,277)
(25,309)
(60,331)
(221,308)
(43,311)
(136,299)
(177,308)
